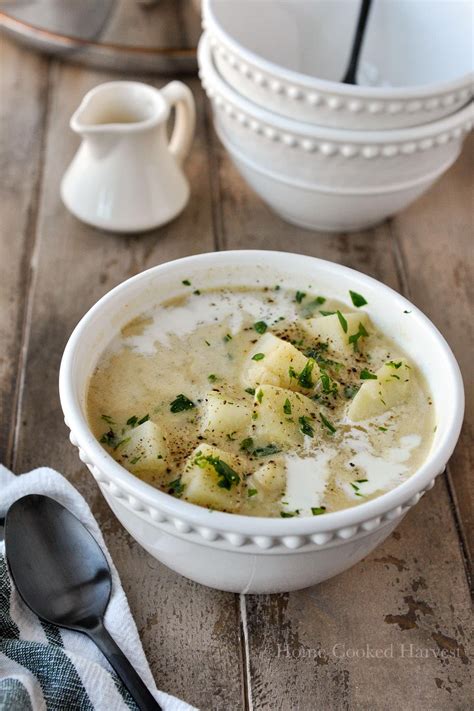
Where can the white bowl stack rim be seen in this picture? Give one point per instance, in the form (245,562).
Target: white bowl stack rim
(433,94)
(215,84)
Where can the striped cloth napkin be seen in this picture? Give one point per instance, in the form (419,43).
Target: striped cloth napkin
(44,668)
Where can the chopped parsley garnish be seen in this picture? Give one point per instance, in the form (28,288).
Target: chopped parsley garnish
(327,383)
(135,460)
(260,326)
(266,451)
(181,403)
(287,407)
(342,321)
(197,292)
(392,364)
(134,421)
(112,440)
(309,308)
(288,514)
(367,375)
(350,391)
(250,391)
(318,510)
(259,395)
(300,296)
(382,429)
(252,492)
(122,442)
(175,487)
(227,338)
(327,423)
(356,488)
(407,312)
(357,299)
(361,481)
(326,313)
(109,438)
(304,378)
(212,377)
(227,476)
(207,343)
(305,426)
(317,354)
(186,282)
(107,419)
(361,333)
(277,287)
(246,444)
(258,356)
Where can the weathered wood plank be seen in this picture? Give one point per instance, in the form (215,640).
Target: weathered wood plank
(23,88)
(190,633)
(411,590)
(316,648)
(436,236)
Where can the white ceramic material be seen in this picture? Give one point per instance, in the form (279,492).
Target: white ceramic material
(290,55)
(126,177)
(366,175)
(243,553)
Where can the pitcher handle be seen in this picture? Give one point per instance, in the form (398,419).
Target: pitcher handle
(177,95)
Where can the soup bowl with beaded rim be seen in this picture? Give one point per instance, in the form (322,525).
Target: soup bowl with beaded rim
(248,554)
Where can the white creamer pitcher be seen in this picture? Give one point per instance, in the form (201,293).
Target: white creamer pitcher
(126,176)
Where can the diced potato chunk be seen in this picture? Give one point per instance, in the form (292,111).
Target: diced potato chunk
(223,415)
(144,448)
(276,416)
(328,329)
(270,479)
(376,396)
(280,358)
(207,474)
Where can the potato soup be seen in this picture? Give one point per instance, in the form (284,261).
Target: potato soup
(262,401)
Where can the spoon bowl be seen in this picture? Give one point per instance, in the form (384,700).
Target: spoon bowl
(63,576)
(61,570)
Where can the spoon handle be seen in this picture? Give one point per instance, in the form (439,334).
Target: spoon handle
(138,691)
(351,72)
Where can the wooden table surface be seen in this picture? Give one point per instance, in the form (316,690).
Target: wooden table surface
(312,649)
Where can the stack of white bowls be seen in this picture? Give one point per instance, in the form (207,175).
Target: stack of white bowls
(327,155)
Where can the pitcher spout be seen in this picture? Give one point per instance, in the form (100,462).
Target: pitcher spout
(119,107)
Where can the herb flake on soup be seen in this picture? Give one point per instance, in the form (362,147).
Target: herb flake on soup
(263,402)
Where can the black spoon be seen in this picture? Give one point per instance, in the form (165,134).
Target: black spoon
(350,75)
(63,576)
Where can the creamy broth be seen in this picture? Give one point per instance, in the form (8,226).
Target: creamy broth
(264,402)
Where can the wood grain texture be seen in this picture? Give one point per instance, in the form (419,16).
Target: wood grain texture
(185,628)
(23,90)
(313,648)
(436,236)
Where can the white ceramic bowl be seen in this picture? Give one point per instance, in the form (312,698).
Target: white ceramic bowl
(242,553)
(290,55)
(329,178)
